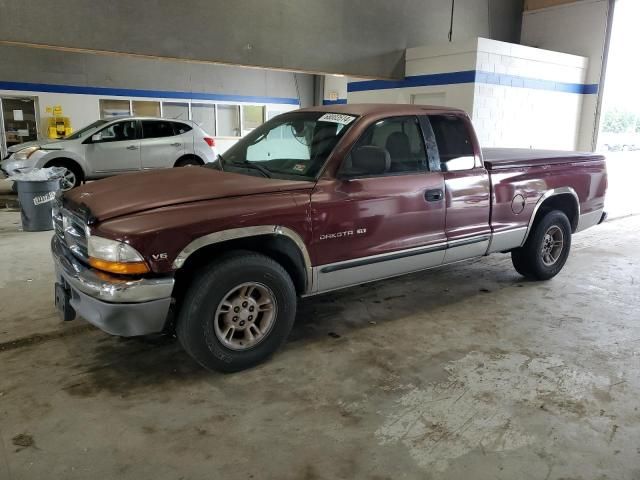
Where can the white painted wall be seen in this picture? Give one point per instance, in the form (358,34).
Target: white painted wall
(452,57)
(578,28)
(458,96)
(505,114)
(512,116)
(335,86)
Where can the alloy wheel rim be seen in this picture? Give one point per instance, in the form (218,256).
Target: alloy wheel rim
(68,180)
(245,316)
(552,245)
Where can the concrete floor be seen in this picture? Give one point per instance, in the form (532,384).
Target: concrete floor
(462,372)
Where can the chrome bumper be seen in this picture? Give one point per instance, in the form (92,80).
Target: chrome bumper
(117,305)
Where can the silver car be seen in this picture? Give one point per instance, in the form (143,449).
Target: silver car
(110,147)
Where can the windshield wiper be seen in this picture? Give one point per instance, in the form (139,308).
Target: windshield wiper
(256,166)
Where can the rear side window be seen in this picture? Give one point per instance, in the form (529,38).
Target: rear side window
(454,143)
(156,129)
(181,128)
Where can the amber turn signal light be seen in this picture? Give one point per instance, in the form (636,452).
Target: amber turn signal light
(128,268)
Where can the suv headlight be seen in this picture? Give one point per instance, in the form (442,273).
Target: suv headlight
(25,153)
(115,257)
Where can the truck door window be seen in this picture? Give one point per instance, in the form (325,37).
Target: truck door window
(454,143)
(401,138)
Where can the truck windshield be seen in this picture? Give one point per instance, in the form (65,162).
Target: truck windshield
(292,145)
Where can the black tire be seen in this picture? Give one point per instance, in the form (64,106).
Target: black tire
(189,162)
(195,326)
(529,260)
(74,168)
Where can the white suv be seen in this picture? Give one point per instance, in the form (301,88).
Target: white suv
(110,147)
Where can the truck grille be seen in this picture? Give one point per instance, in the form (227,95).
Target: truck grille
(71,229)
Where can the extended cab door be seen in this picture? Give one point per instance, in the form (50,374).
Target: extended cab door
(114,149)
(385,214)
(161,144)
(467,188)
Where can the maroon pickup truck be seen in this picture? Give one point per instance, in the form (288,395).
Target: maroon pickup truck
(312,201)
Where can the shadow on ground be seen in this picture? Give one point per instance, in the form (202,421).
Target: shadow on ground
(125,367)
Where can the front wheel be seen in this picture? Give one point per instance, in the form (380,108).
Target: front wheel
(237,312)
(72,176)
(546,250)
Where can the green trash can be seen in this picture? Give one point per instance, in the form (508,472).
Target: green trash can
(36,201)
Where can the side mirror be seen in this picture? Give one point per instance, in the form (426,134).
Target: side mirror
(365,161)
(96,138)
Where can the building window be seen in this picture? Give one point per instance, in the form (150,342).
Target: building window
(114,108)
(229,120)
(175,110)
(145,108)
(252,117)
(204,115)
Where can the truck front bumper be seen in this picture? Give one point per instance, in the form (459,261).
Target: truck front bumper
(117,305)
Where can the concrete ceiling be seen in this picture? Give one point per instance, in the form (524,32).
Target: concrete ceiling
(356,37)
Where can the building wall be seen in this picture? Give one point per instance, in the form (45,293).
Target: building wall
(428,62)
(517,96)
(579,28)
(358,37)
(76,82)
(546,114)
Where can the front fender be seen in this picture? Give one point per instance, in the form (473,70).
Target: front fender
(46,156)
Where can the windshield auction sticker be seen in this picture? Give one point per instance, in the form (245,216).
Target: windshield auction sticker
(337,118)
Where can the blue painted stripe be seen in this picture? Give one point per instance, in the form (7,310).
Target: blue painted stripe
(535,83)
(414,81)
(132,92)
(471,76)
(339,101)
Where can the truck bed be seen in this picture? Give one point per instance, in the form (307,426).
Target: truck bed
(501,158)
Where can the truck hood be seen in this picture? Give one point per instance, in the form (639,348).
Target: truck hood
(136,192)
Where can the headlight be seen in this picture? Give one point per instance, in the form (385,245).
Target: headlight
(25,153)
(115,257)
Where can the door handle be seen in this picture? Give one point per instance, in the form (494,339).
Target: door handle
(434,195)
(132,147)
(176,144)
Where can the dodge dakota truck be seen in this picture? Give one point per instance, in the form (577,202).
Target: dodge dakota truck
(312,201)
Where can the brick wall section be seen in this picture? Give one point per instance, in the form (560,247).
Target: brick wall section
(512,116)
(507,114)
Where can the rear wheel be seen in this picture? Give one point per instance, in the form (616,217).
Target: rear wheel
(188,162)
(237,312)
(547,248)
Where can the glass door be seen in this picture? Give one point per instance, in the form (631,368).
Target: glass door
(19,121)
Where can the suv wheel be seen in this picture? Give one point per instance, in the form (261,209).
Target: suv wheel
(72,177)
(547,248)
(188,162)
(237,312)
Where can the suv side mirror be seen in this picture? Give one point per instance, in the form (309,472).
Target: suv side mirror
(96,137)
(365,161)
